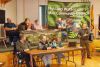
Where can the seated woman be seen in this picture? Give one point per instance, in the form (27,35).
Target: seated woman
(37,26)
(22,46)
(11,31)
(43,46)
(26,25)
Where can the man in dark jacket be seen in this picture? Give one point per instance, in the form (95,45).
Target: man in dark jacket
(84,38)
(22,46)
(26,25)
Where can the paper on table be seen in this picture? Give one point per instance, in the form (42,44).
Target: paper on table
(60,47)
(49,48)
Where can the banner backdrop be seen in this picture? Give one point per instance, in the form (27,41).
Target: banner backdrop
(78,11)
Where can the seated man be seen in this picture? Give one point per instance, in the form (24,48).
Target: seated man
(22,46)
(11,32)
(26,25)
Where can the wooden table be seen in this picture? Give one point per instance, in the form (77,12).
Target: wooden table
(36,52)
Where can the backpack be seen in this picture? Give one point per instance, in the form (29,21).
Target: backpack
(91,37)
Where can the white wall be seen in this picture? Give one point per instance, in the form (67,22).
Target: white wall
(27,9)
(31,9)
(10,9)
(96,4)
(20,11)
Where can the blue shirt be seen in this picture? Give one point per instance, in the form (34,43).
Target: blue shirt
(10,32)
(10,25)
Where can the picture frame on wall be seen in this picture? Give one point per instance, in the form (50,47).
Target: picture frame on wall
(2,16)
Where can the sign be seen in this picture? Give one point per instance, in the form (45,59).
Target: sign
(78,11)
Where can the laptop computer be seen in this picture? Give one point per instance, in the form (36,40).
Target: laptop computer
(72,44)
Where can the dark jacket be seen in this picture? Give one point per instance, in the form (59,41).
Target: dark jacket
(82,32)
(23,26)
(21,47)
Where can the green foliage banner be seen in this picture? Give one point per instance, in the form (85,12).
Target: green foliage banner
(78,11)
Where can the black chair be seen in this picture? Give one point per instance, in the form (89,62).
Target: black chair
(17,58)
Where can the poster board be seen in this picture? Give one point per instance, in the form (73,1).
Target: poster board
(79,12)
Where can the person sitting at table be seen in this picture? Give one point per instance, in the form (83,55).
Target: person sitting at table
(11,31)
(56,43)
(23,46)
(43,46)
(26,25)
(70,25)
(37,26)
(61,24)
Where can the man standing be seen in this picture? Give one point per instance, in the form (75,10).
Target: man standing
(84,38)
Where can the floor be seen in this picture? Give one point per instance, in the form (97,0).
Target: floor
(94,62)
(6,58)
